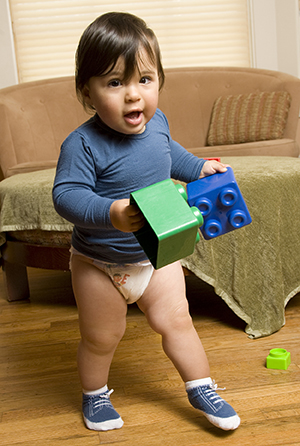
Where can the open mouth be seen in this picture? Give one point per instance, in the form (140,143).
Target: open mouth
(134,117)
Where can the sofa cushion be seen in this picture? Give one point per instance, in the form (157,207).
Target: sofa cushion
(273,147)
(250,117)
(30,167)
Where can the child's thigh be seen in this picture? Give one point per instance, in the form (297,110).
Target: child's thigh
(101,307)
(165,296)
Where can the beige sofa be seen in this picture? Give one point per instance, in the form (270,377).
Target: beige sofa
(36,117)
(188,100)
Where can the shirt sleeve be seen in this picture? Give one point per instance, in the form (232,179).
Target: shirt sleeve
(185,166)
(73,191)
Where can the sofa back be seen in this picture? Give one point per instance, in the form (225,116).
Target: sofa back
(36,117)
(189,94)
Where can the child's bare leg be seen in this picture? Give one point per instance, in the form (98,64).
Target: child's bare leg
(102,321)
(165,306)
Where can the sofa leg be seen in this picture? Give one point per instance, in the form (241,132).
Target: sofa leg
(15,281)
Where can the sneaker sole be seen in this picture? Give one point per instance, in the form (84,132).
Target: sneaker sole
(104,425)
(230,423)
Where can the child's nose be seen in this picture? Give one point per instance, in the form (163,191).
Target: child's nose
(132,93)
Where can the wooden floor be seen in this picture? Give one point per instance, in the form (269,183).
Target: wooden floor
(40,397)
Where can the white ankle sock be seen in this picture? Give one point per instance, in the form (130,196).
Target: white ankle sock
(197,382)
(95,392)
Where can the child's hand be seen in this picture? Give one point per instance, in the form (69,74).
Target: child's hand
(211,167)
(126,217)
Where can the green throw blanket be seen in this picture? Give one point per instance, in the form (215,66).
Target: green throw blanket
(255,269)
(26,203)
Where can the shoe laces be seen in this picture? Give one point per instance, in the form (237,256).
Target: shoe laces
(214,386)
(211,393)
(102,399)
(107,394)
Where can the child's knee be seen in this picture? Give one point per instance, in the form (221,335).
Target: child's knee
(104,342)
(175,321)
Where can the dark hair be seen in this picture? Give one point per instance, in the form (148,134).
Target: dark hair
(110,36)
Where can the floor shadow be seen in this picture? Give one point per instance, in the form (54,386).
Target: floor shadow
(204,302)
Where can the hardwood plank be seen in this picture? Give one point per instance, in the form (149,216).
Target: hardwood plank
(40,396)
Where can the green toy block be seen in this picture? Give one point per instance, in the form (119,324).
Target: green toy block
(171,229)
(279,359)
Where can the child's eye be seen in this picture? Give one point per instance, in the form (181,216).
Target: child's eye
(145,80)
(114,83)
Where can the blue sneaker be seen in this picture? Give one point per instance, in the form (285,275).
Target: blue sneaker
(213,407)
(99,414)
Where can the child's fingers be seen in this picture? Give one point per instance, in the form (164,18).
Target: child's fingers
(212,167)
(137,219)
(133,210)
(219,167)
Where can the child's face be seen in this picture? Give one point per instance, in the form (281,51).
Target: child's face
(125,106)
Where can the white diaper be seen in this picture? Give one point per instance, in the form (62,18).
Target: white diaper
(130,279)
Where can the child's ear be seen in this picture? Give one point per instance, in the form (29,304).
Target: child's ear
(86,95)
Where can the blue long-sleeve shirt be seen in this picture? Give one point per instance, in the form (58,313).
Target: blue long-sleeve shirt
(98,165)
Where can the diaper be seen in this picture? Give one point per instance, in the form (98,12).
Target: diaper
(131,279)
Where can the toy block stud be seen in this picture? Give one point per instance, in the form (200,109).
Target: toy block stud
(221,203)
(171,229)
(278,359)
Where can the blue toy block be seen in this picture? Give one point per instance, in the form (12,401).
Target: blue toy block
(220,201)
(171,229)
